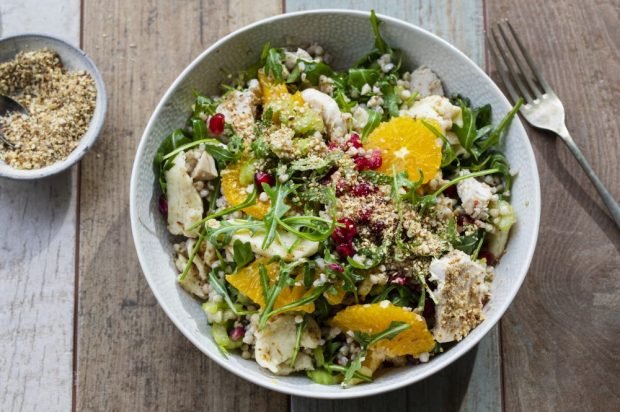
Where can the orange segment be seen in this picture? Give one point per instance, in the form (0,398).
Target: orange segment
(235,193)
(407,144)
(376,317)
(273,91)
(335,298)
(247,281)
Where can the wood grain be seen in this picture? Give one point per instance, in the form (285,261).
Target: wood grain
(560,337)
(37,256)
(474,381)
(130,356)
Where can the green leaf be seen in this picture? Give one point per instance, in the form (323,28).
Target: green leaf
(204,105)
(299,329)
(359,77)
(271,59)
(220,288)
(374,119)
(249,201)
(161,163)
(199,129)
(380,44)
(242,253)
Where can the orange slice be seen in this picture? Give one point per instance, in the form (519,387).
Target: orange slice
(247,281)
(407,145)
(235,192)
(335,298)
(376,317)
(273,91)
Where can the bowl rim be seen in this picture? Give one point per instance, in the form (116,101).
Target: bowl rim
(370,388)
(92,135)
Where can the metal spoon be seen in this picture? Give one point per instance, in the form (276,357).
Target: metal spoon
(8,105)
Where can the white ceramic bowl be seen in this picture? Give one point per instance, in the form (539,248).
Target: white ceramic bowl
(346,35)
(73,59)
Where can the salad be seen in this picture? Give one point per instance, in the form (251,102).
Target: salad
(335,223)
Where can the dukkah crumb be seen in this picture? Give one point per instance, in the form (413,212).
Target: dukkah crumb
(60,105)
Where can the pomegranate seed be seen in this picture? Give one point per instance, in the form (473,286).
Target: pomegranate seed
(462,220)
(346,233)
(451,192)
(361,163)
(354,141)
(216,124)
(333,146)
(345,249)
(261,177)
(364,216)
(488,256)
(375,161)
(236,333)
(342,187)
(363,189)
(335,267)
(163,205)
(398,279)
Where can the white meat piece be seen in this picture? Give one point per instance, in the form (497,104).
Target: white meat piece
(425,82)
(205,168)
(460,291)
(185,206)
(436,108)
(286,245)
(475,196)
(290,58)
(239,108)
(329,110)
(275,344)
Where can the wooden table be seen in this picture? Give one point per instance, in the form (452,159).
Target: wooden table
(80,329)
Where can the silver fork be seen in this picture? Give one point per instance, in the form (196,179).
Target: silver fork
(542,108)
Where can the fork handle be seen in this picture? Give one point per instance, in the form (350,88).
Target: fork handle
(608,199)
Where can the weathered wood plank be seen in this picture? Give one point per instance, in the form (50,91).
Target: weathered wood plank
(37,264)
(560,337)
(473,382)
(130,356)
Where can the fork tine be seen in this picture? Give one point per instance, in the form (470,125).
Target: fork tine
(537,73)
(517,59)
(518,82)
(502,70)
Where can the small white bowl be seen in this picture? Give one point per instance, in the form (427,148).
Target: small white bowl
(73,59)
(346,35)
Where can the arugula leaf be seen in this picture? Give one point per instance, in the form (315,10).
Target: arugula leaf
(374,119)
(366,341)
(313,71)
(278,208)
(390,99)
(299,329)
(359,77)
(242,253)
(204,105)
(448,153)
(220,288)
(380,44)
(171,143)
(271,59)
(249,201)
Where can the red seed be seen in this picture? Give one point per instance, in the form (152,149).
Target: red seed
(364,216)
(363,189)
(216,124)
(342,187)
(236,333)
(333,146)
(375,160)
(335,267)
(488,256)
(361,163)
(344,233)
(261,177)
(345,249)
(398,279)
(451,192)
(354,141)
(163,205)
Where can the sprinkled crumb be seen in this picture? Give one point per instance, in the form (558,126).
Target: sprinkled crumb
(61,105)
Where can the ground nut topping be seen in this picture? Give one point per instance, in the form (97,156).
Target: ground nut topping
(61,104)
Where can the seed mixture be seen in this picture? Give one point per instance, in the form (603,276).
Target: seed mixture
(335,223)
(60,105)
